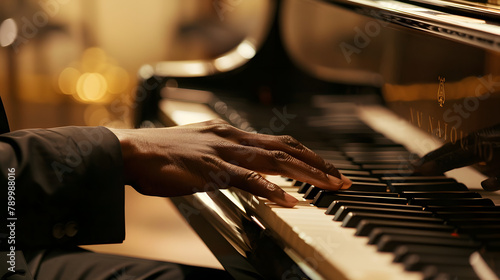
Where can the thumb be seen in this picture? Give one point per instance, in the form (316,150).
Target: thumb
(491,184)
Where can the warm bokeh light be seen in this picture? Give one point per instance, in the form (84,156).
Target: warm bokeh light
(97,78)
(8,32)
(91,87)
(94,60)
(68,79)
(117,79)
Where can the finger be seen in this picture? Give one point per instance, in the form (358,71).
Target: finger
(447,157)
(254,183)
(292,147)
(491,184)
(279,163)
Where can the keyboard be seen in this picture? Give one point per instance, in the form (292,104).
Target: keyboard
(391,224)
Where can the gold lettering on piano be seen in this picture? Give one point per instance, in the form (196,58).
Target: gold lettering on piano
(453,135)
(437,127)
(440,94)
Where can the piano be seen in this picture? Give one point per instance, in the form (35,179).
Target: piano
(372,86)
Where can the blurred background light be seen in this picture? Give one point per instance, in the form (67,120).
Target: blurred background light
(68,79)
(91,87)
(8,32)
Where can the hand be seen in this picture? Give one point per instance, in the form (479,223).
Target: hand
(206,156)
(482,146)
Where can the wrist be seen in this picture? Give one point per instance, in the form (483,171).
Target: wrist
(127,150)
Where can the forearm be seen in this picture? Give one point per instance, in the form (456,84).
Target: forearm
(68,185)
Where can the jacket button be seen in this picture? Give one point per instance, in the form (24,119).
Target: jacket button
(71,228)
(58,231)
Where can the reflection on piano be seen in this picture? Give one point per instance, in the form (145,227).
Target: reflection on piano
(432,63)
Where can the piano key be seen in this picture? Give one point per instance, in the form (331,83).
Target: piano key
(297,183)
(335,206)
(380,161)
(372,149)
(427,186)
(311,192)
(467,214)
(416,262)
(473,221)
(365,227)
(353,219)
(440,194)
(448,272)
(404,250)
(388,243)
(369,186)
(303,188)
(324,198)
(385,166)
(377,233)
(392,172)
(366,193)
(408,179)
(346,166)
(460,208)
(356,179)
(344,210)
(449,202)
(358,173)
(479,229)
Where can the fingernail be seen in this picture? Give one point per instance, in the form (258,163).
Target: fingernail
(347,182)
(334,181)
(290,199)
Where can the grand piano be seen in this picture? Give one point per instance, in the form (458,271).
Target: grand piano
(394,93)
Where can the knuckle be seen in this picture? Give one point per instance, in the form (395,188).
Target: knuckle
(252,176)
(280,156)
(290,141)
(222,129)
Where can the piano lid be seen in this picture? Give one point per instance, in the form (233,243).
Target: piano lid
(437,63)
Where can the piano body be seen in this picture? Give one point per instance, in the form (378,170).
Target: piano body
(371,85)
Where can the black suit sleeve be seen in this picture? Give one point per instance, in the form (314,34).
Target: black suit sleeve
(66,187)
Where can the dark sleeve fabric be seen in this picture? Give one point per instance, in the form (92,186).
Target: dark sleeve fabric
(68,187)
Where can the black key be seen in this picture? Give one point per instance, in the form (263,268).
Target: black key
(344,210)
(380,160)
(392,172)
(427,186)
(346,166)
(324,198)
(356,179)
(366,226)
(473,221)
(377,233)
(369,186)
(388,243)
(460,208)
(404,250)
(451,202)
(385,166)
(440,194)
(366,193)
(335,206)
(358,173)
(333,155)
(416,262)
(311,192)
(297,183)
(479,229)
(353,219)
(451,272)
(467,214)
(304,187)
(409,179)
